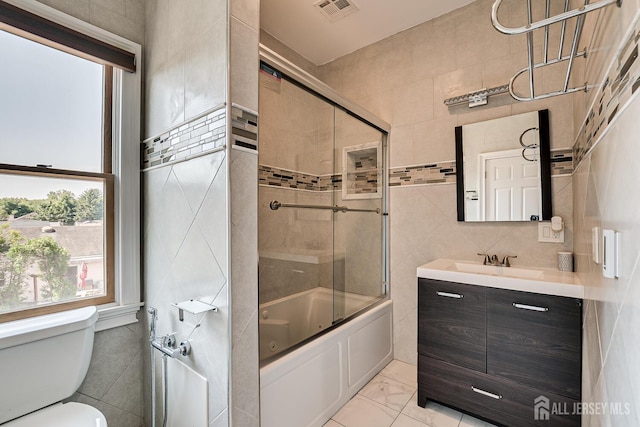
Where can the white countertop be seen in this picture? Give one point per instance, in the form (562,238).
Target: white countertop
(527,279)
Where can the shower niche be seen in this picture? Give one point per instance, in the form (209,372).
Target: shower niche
(362,171)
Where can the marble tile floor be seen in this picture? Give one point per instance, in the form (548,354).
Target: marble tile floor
(389,400)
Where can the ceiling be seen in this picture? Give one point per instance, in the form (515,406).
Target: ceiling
(302,27)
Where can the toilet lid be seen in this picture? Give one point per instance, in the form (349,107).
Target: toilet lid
(70,414)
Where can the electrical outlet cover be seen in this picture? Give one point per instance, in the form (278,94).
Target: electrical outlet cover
(547,235)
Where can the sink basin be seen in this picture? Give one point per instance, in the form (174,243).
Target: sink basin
(547,281)
(523,273)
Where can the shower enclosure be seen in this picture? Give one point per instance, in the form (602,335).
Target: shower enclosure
(322,213)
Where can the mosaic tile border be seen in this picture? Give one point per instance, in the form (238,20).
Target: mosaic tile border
(285,178)
(428,174)
(433,173)
(622,81)
(562,161)
(244,127)
(201,134)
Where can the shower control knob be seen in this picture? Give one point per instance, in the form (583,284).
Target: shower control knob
(185,348)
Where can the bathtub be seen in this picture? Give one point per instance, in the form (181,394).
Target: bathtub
(288,321)
(308,385)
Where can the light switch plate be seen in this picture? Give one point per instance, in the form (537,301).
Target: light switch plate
(547,235)
(608,253)
(595,244)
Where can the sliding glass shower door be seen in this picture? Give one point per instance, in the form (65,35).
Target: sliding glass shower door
(320,221)
(357,232)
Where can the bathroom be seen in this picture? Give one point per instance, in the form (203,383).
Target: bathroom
(199,218)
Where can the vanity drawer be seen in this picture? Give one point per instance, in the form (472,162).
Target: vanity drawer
(496,399)
(451,323)
(535,339)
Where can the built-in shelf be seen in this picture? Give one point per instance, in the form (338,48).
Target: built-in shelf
(362,171)
(193,306)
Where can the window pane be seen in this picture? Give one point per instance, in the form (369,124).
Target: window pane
(51,240)
(50,108)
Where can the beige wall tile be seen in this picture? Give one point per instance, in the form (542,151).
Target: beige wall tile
(247,11)
(244,64)
(77,8)
(116,22)
(205,63)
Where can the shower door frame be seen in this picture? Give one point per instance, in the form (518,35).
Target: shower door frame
(306,81)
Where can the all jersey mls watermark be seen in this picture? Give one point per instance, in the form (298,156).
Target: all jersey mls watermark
(543,408)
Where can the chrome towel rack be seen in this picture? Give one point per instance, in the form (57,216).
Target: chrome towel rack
(531,26)
(275,205)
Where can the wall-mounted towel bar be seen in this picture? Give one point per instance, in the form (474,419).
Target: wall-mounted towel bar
(275,205)
(544,24)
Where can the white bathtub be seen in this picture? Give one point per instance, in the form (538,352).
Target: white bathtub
(288,321)
(307,386)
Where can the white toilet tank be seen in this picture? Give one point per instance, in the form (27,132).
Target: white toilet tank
(44,359)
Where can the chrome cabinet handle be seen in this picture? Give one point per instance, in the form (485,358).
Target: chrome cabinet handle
(449,295)
(530,307)
(486,393)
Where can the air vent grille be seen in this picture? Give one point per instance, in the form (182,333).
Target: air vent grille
(335,10)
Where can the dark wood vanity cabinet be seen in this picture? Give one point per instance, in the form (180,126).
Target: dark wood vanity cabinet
(493,352)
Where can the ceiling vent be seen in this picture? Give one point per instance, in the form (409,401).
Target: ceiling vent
(334,10)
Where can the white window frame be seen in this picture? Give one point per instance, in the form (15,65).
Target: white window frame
(125,168)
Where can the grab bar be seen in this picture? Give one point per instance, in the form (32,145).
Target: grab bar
(275,205)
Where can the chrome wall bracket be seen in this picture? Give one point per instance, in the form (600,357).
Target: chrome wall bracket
(476,98)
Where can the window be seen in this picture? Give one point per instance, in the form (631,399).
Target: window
(69,188)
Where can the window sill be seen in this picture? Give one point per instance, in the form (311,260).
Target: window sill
(113,316)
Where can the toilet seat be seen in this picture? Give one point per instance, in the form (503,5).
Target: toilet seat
(70,414)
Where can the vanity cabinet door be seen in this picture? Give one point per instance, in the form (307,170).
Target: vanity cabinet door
(451,323)
(535,340)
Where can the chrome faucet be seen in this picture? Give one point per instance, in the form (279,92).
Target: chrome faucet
(167,344)
(505,260)
(495,261)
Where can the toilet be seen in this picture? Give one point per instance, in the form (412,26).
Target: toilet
(43,360)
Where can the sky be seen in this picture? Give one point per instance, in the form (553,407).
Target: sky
(50,113)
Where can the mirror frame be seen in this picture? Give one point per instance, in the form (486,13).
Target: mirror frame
(545,170)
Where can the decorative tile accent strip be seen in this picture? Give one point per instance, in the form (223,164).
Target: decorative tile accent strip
(202,134)
(272,176)
(562,161)
(434,173)
(244,128)
(620,84)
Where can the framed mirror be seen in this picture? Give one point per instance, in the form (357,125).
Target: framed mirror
(503,169)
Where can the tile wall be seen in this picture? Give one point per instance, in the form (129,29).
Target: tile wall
(123,17)
(185,60)
(186,219)
(186,257)
(244,29)
(413,73)
(604,179)
(114,381)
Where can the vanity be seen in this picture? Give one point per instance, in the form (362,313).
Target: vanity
(501,343)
